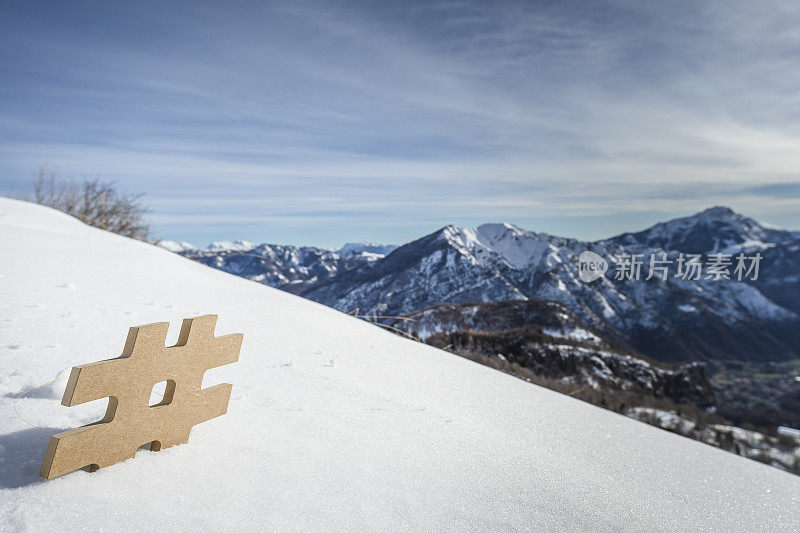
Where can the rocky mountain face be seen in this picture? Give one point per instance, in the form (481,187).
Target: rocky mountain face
(546,338)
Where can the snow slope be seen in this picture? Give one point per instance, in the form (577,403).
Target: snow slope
(333,423)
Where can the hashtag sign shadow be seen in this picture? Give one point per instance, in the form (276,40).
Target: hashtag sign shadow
(127,382)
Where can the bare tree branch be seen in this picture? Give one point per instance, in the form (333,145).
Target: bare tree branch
(95,202)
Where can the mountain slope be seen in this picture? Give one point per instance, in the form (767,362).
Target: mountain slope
(332,424)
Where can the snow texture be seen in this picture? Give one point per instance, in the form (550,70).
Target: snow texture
(333,424)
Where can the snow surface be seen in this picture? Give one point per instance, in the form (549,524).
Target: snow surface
(333,424)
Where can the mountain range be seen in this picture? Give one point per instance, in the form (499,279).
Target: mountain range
(669,320)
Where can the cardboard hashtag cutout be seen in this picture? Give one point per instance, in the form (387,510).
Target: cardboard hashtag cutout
(130,421)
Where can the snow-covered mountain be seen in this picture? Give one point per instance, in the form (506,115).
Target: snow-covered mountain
(672,320)
(231,246)
(333,424)
(717,229)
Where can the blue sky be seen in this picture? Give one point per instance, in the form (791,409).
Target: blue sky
(321,123)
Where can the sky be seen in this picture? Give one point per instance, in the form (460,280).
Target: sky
(323,123)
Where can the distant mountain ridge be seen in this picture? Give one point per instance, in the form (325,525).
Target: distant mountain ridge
(291,268)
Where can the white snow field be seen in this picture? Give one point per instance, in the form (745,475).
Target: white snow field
(333,424)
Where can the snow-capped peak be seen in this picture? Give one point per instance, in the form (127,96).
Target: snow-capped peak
(234,246)
(498,228)
(719,211)
(715,230)
(464,238)
(500,243)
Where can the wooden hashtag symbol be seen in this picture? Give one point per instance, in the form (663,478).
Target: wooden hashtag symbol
(127,381)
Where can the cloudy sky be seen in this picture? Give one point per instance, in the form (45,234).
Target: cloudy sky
(307,123)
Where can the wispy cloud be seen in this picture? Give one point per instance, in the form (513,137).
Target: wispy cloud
(317,124)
